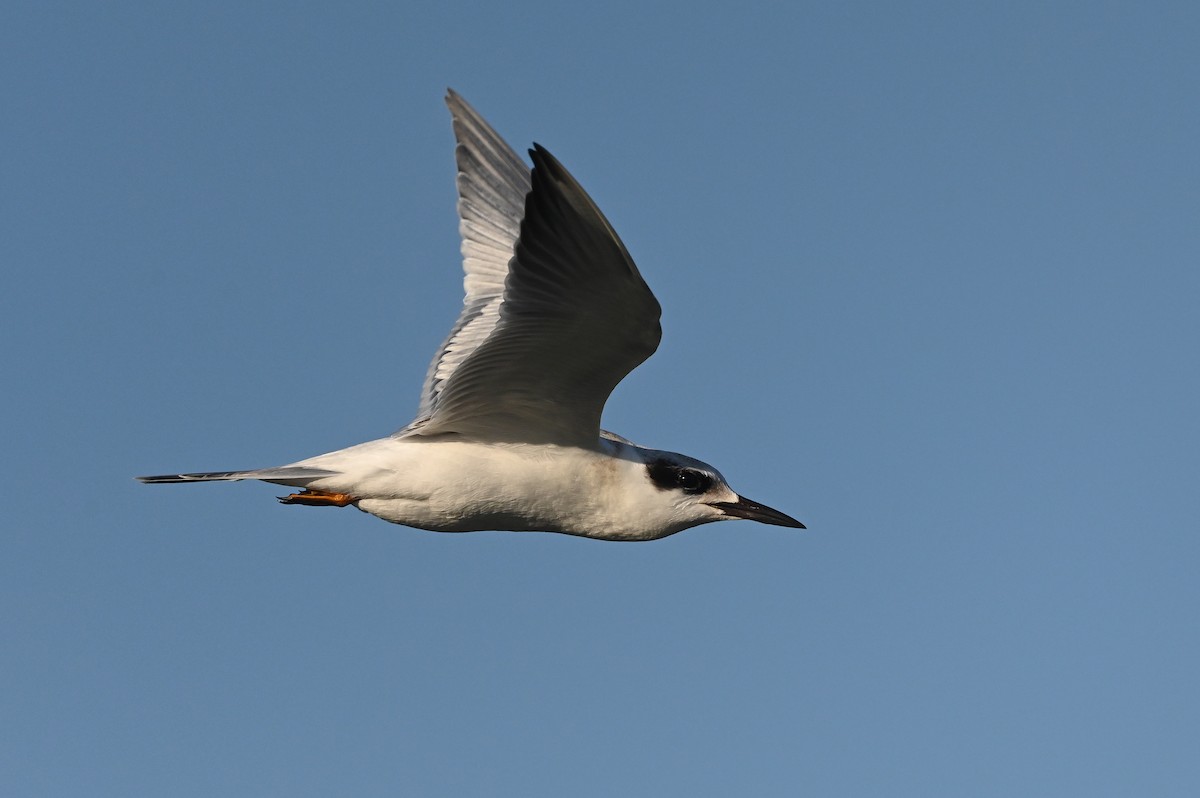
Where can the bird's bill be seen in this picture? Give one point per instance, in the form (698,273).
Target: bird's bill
(744,508)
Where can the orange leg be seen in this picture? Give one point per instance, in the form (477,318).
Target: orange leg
(318,498)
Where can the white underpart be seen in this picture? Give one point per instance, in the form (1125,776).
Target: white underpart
(463,486)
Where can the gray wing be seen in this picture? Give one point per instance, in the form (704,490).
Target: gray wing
(535,361)
(492,184)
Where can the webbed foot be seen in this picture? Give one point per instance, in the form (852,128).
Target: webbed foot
(318,498)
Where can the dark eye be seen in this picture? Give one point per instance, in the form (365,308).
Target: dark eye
(668,476)
(690,481)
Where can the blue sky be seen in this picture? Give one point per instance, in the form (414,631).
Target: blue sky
(929,278)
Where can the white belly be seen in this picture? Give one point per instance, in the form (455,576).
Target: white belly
(457,486)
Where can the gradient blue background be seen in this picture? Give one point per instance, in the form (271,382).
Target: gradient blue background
(930,282)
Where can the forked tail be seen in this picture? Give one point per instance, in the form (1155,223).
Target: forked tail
(267,474)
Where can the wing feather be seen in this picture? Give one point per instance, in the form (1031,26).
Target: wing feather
(574,318)
(492,184)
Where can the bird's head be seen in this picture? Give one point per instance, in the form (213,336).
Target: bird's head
(696,493)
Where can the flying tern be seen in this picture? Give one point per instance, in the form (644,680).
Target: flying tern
(507,435)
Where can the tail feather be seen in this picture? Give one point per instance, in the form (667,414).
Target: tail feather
(284,472)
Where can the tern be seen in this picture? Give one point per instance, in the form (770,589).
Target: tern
(507,435)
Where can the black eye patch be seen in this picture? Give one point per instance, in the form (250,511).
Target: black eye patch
(668,476)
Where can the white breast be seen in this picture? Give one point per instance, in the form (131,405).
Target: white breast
(447,485)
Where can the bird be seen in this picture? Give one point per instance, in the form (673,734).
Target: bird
(507,435)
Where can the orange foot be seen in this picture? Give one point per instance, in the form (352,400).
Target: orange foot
(318,498)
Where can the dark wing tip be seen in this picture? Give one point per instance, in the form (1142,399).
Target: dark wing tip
(543,159)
